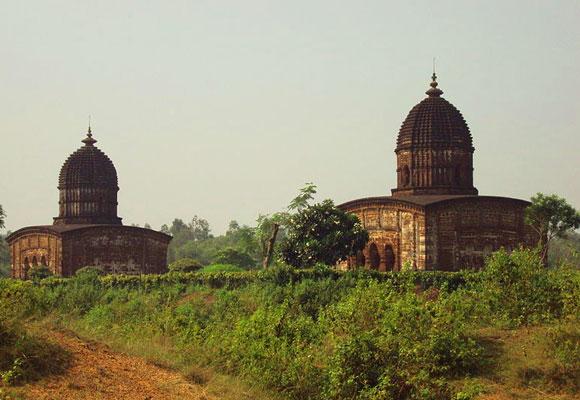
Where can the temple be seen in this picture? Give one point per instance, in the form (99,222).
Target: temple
(87,231)
(435,219)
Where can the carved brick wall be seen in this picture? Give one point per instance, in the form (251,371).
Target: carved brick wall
(461,233)
(396,235)
(117,249)
(34,250)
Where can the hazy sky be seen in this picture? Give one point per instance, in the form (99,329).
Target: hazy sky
(225,108)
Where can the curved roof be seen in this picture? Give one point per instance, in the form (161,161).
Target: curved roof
(421,201)
(434,122)
(60,230)
(88,166)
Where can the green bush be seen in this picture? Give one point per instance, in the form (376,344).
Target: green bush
(221,268)
(519,290)
(236,257)
(185,265)
(315,333)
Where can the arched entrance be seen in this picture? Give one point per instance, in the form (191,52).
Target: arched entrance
(360,259)
(374,258)
(25,268)
(389,258)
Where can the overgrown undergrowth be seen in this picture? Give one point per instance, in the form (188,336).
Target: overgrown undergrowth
(321,334)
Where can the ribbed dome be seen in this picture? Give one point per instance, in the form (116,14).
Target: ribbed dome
(434,149)
(88,166)
(88,187)
(434,122)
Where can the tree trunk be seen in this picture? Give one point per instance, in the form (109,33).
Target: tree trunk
(270,250)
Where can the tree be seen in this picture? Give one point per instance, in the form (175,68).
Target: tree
(550,216)
(322,233)
(164,229)
(269,226)
(199,228)
(2,216)
(233,227)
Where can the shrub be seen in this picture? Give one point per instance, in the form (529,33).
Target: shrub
(235,257)
(185,265)
(518,288)
(39,272)
(90,270)
(221,268)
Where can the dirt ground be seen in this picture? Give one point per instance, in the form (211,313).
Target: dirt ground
(98,373)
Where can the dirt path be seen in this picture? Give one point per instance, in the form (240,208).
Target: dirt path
(98,373)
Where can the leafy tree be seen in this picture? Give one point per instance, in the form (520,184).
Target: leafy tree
(2,216)
(550,216)
(322,233)
(164,229)
(269,226)
(233,227)
(233,256)
(199,228)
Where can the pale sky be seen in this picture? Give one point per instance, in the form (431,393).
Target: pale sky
(225,108)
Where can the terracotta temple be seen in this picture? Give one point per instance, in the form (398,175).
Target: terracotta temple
(434,218)
(87,231)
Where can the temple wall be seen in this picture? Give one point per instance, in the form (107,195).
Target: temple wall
(35,249)
(118,250)
(396,236)
(462,232)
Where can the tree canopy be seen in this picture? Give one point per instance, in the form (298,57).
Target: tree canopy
(2,216)
(551,216)
(322,233)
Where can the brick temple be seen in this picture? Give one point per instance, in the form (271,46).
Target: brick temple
(87,231)
(434,218)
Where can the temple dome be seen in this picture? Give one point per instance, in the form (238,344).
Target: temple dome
(88,187)
(434,122)
(434,149)
(88,166)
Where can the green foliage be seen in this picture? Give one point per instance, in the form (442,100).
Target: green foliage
(24,357)
(2,217)
(233,256)
(221,268)
(185,265)
(519,290)
(322,233)
(91,271)
(564,340)
(4,257)
(551,216)
(317,333)
(39,272)
(565,250)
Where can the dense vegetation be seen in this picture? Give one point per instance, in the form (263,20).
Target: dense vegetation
(319,333)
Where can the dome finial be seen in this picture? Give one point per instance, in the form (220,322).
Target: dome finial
(89,141)
(433,90)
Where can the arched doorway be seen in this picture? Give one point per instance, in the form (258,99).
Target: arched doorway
(389,258)
(360,259)
(43,261)
(25,268)
(375,259)
(34,262)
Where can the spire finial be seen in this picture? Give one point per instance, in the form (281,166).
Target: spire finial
(89,141)
(433,90)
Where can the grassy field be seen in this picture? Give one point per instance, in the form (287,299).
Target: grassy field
(510,331)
